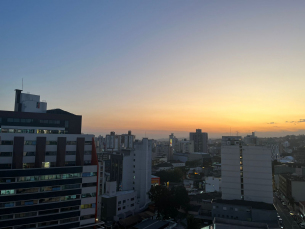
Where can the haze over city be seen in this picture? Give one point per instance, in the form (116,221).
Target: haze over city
(158,67)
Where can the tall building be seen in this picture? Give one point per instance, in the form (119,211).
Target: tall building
(48,169)
(173,146)
(200,141)
(186,146)
(129,180)
(246,171)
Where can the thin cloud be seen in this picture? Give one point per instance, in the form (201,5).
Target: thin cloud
(271,123)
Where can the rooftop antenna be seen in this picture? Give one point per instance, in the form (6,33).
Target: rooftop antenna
(22,84)
(236,133)
(230,131)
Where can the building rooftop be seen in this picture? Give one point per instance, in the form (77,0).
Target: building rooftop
(230,223)
(164,165)
(59,111)
(151,224)
(293,177)
(175,161)
(245,203)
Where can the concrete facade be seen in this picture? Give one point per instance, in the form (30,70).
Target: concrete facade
(246,171)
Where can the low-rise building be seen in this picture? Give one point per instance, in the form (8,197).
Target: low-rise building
(244,210)
(117,205)
(292,187)
(163,166)
(212,184)
(177,163)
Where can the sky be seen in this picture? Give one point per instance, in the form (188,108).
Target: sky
(160,67)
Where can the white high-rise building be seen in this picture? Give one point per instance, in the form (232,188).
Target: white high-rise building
(130,170)
(246,171)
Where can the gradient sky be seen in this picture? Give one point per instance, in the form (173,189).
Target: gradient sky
(160,67)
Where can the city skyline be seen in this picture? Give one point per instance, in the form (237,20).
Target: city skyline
(160,67)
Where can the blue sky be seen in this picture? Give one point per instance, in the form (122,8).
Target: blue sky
(158,66)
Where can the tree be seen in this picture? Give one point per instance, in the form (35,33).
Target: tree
(194,163)
(175,175)
(181,197)
(167,202)
(192,223)
(164,202)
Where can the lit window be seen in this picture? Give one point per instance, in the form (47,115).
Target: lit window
(45,164)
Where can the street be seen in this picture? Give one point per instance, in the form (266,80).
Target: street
(288,222)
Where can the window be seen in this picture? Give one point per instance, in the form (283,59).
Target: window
(89,184)
(4,217)
(7,205)
(70,175)
(51,143)
(91,174)
(26,226)
(45,165)
(70,163)
(51,153)
(87,162)
(119,202)
(71,142)
(47,223)
(29,142)
(10,120)
(27,202)
(51,199)
(124,207)
(119,209)
(7,180)
(27,190)
(124,201)
(84,206)
(132,205)
(7,192)
(87,217)
(224,208)
(28,178)
(72,197)
(69,220)
(86,195)
(28,165)
(50,188)
(71,186)
(29,154)
(88,142)
(66,124)
(6,142)
(52,211)
(25,214)
(69,209)
(70,152)
(5,154)
(87,152)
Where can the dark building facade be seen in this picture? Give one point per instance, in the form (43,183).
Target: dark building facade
(200,141)
(48,170)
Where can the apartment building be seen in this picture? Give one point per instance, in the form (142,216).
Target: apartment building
(246,171)
(48,169)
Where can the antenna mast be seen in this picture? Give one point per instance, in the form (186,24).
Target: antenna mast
(22,84)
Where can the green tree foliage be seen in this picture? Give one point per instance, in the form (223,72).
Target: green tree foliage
(195,163)
(192,223)
(167,201)
(175,175)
